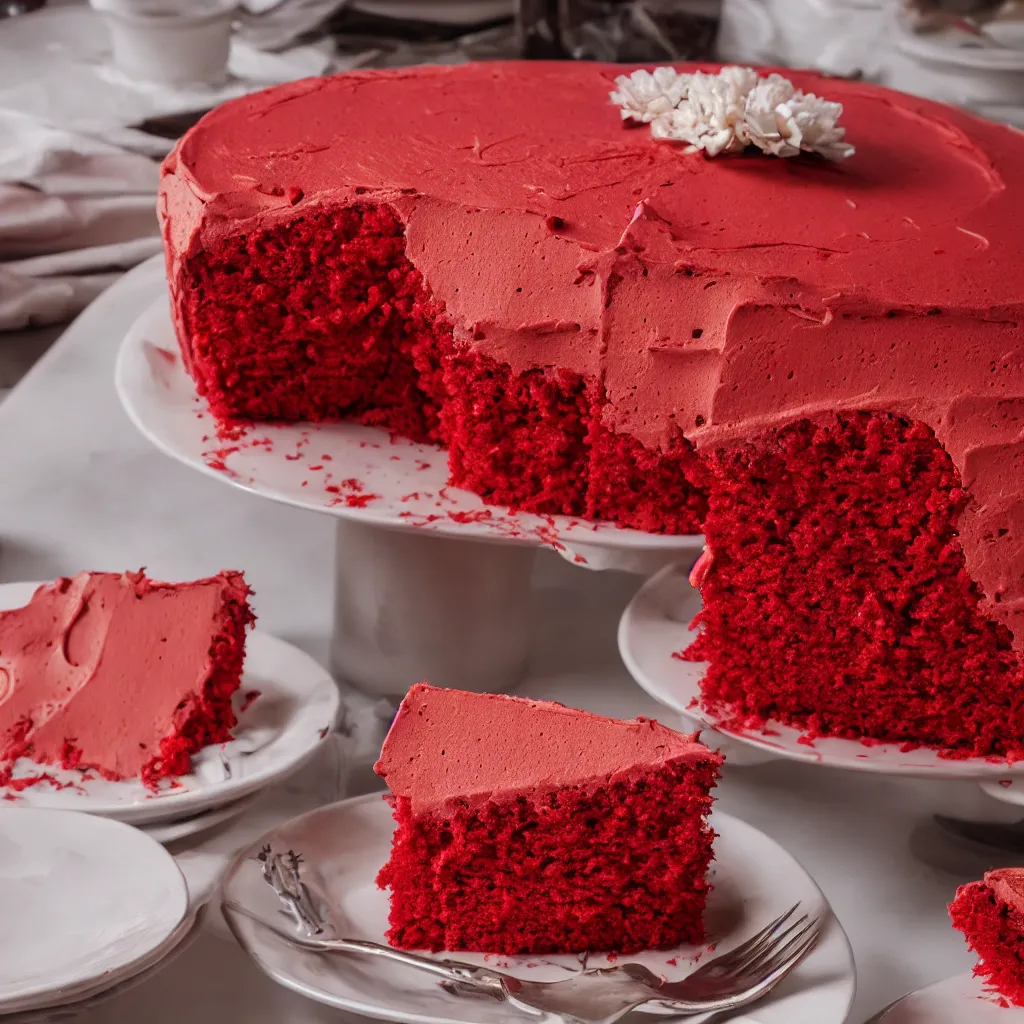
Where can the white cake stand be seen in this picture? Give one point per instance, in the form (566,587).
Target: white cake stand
(430,581)
(655,627)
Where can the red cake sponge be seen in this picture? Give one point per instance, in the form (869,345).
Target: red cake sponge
(527,827)
(990,914)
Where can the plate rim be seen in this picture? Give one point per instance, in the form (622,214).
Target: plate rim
(40,997)
(171,805)
(962,978)
(840,938)
(967,770)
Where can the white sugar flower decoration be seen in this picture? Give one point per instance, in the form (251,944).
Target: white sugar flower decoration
(810,125)
(713,110)
(644,96)
(761,126)
(731,110)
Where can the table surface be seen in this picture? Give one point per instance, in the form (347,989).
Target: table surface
(82,490)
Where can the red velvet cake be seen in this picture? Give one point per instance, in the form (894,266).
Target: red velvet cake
(990,913)
(121,674)
(819,363)
(528,827)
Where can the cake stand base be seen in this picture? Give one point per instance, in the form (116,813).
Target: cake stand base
(412,605)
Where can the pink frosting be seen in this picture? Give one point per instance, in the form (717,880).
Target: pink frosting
(452,745)
(1008,885)
(107,663)
(713,296)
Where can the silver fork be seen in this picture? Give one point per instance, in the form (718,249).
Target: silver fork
(600,996)
(729,982)
(451,971)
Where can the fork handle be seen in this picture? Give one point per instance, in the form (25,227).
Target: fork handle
(464,975)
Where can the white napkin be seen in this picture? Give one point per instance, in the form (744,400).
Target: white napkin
(78,180)
(74,212)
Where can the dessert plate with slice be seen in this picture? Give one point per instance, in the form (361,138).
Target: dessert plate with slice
(655,629)
(343,846)
(286,708)
(960,1000)
(86,902)
(344,469)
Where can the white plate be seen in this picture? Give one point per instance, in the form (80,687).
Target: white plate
(195,824)
(445,12)
(401,485)
(1006,790)
(655,627)
(88,999)
(344,845)
(959,1000)
(276,734)
(83,900)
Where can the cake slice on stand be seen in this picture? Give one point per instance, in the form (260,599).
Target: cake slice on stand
(528,827)
(121,674)
(990,913)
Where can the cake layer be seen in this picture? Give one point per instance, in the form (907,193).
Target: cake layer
(836,596)
(451,745)
(120,673)
(990,914)
(527,827)
(619,866)
(695,297)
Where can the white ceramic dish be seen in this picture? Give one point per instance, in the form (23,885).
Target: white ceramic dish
(375,480)
(959,1000)
(276,734)
(960,68)
(344,845)
(655,627)
(445,12)
(195,824)
(85,902)
(84,1001)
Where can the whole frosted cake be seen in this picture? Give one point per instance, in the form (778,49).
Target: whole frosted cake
(818,363)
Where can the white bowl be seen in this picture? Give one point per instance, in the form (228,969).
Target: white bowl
(988,80)
(154,41)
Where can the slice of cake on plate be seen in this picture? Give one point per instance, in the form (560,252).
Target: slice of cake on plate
(121,674)
(528,827)
(990,913)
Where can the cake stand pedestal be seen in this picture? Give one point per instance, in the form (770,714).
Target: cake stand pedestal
(429,582)
(411,605)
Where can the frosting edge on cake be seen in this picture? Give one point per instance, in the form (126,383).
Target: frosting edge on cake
(451,745)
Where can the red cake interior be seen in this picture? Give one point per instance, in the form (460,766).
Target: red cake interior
(324,318)
(620,868)
(838,600)
(996,933)
(318,318)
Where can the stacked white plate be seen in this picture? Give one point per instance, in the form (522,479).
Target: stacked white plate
(287,706)
(88,904)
